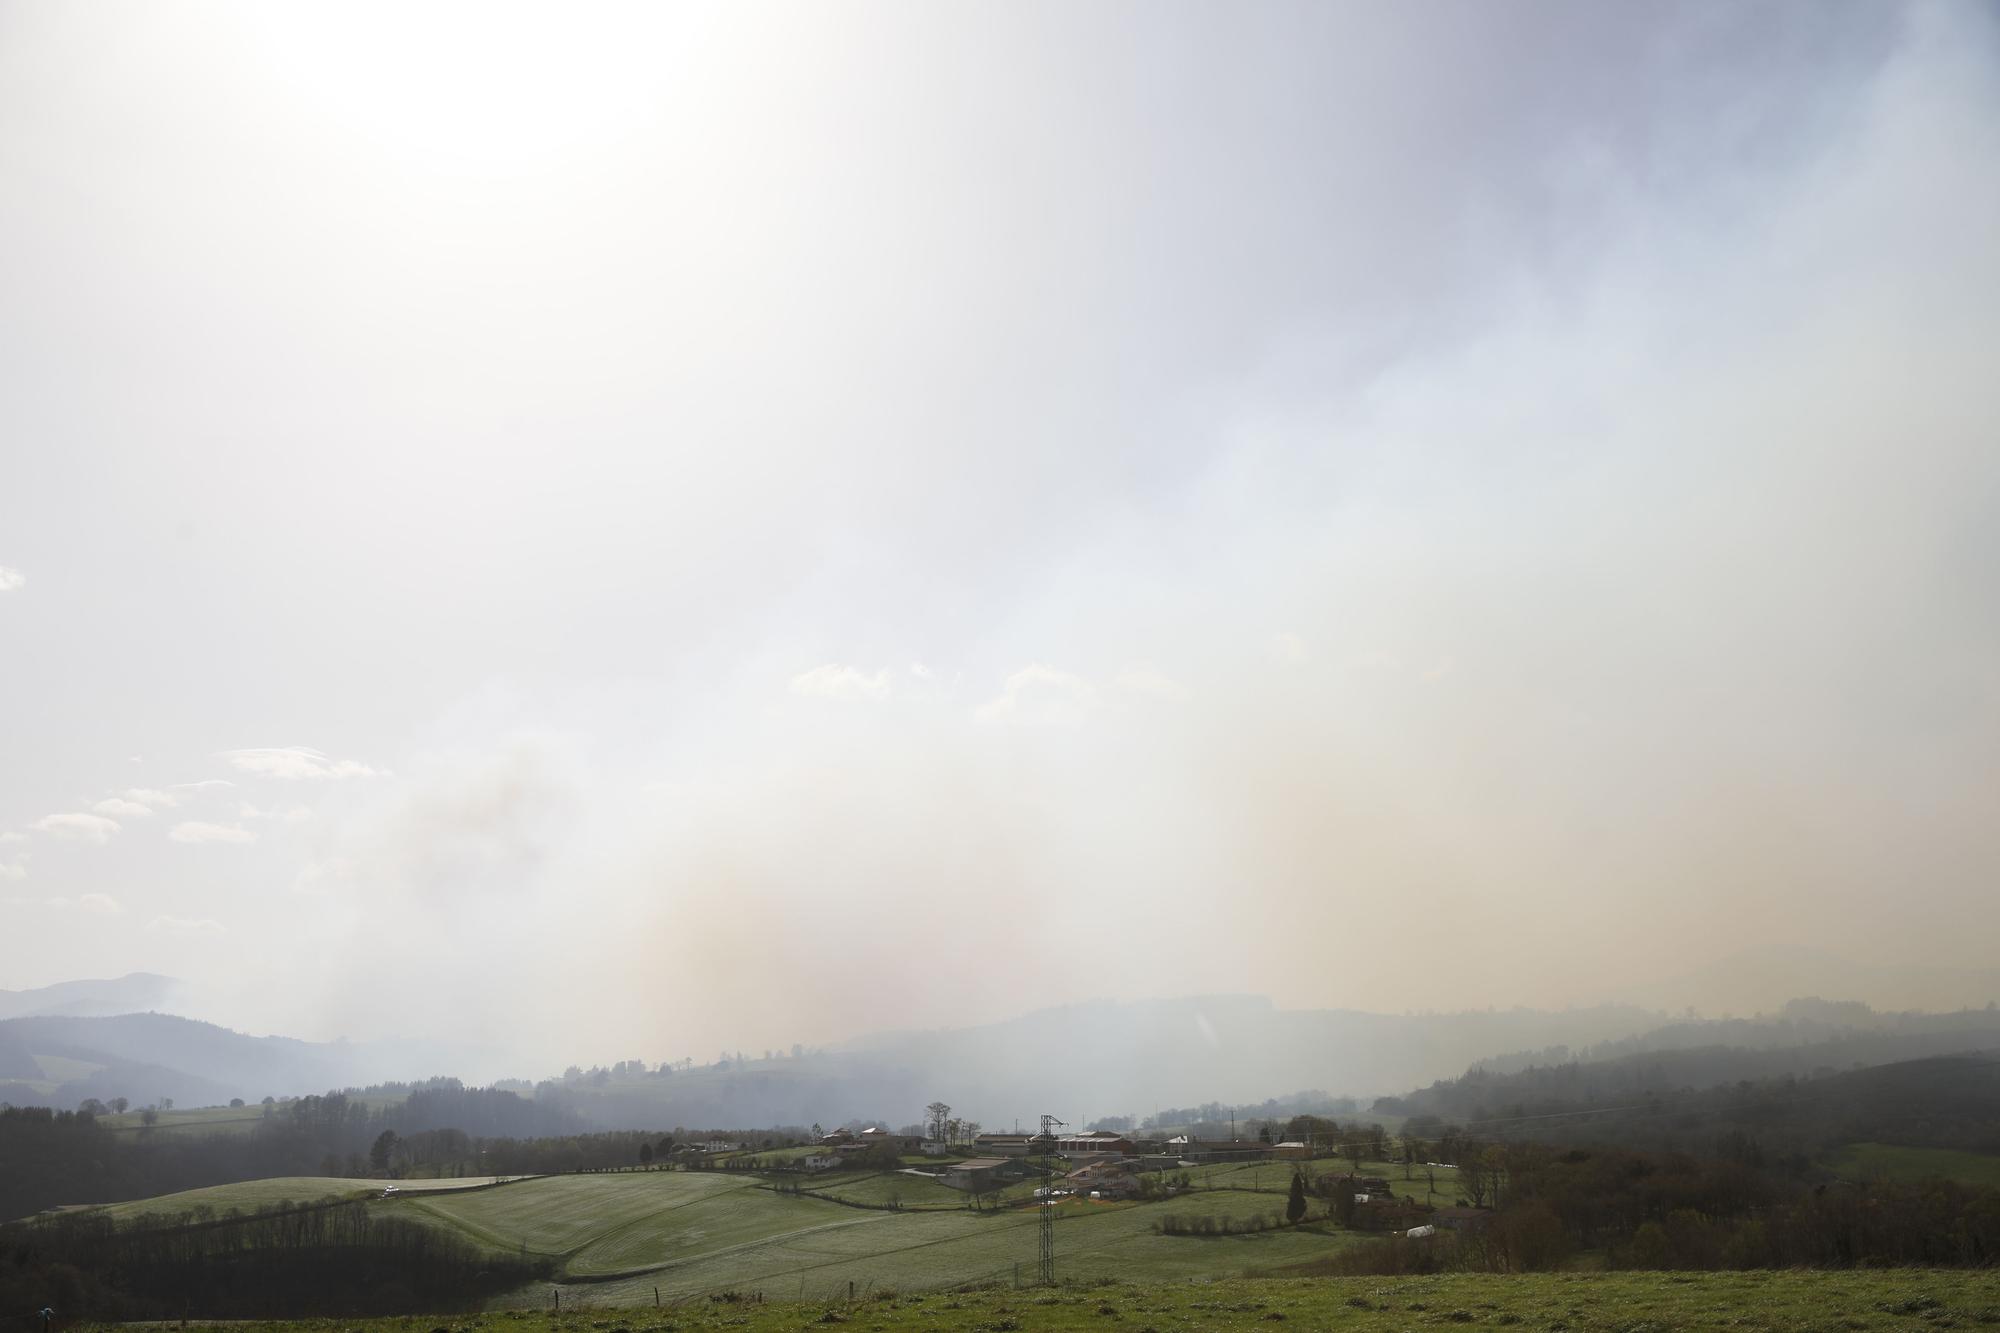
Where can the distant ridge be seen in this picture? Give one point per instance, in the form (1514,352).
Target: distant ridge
(132,993)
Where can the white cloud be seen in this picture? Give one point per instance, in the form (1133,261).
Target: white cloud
(147,796)
(1148,683)
(291,814)
(11,579)
(920,671)
(320,877)
(834,681)
(296,762)
(195,830)
(117,807)
(185,927)
(11,836)
(13,870)
(80,826)
(206,784)
(99,904)
(1288,649)
(1039,695)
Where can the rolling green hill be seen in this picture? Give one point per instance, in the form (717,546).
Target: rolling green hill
(617,1236)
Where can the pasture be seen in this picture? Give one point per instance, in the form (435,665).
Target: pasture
(184,1120)
(619,1236)
(1887,1161)
(616,1237)
(1782,1302)
(252,1194)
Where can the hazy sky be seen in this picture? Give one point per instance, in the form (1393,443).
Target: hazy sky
(626,531)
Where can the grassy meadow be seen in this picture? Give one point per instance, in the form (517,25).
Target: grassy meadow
(616,1237)
(1784,1302)
(252,1194)
(1886,1161)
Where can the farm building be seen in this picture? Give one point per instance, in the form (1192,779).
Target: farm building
(1003,1145)
(1292,1151)
(1105,1177)
(819,1162)
(1225,1150)
(977,1173)
(1098,1141)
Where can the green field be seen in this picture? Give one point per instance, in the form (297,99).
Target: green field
(1885,1161)
(250,1194)
(1787,1302)
(195,1119)
(617,1237)
(215,1119)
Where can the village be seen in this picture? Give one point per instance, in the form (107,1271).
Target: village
(1107,1166)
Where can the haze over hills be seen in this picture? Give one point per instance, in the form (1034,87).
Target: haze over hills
(132,993)
(1098,1059)
(1763,979)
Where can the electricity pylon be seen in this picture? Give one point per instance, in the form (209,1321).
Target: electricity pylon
(1047,1273)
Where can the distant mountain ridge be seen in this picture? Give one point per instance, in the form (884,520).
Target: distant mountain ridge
(61,1059)
(132,993)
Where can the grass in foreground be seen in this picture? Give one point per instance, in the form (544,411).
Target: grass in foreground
(1788,1302)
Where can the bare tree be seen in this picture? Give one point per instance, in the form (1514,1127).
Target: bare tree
(1473,1176)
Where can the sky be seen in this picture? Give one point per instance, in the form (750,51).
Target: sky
(618,532)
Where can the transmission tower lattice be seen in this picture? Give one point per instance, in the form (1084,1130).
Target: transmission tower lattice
(1047,1273)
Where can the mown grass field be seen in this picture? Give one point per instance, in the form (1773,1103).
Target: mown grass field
(1885,1161)
(194,1119)
(250,1194)
(618,1237)
(1788,1302)
(213,1119)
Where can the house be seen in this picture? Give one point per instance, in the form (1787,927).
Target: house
(1292,1151)
(975,1174)
(817,1162)
(1104,1178)
(1003,1145)
(835,1139)
(1096,1141)
(1226,1150)
(713,1146)
(934,1148)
